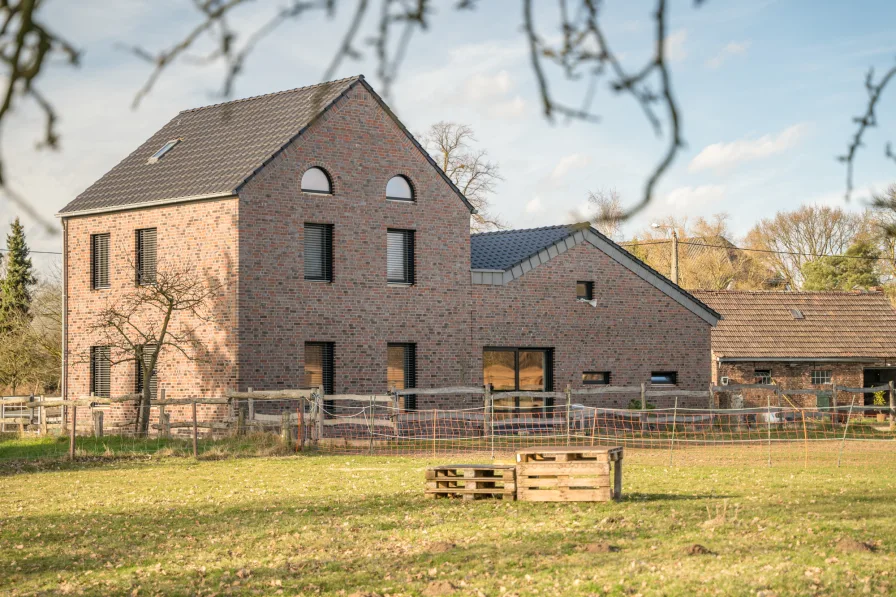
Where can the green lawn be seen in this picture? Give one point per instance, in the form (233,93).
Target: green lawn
(356,525)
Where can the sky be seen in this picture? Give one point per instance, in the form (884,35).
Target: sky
(767,90)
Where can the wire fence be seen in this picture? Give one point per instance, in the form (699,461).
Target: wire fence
(783,431)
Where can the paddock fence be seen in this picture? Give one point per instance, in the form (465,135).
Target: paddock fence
(793,426)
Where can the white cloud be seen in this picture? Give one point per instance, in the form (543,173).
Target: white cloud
(689,198)
(486,86)
(513,108)
(675,50)
(731,49)
(534,205)
(725,155)
(568,163)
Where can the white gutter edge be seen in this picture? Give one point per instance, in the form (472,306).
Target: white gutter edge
(153,203)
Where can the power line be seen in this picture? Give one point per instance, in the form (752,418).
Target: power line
(37,252)
(736,248)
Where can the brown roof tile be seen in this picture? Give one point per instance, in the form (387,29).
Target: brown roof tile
(833,324)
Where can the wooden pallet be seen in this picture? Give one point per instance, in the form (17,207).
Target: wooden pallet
(568,474)
(472,481)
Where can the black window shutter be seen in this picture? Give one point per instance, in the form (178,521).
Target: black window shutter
(319,252)
(146,355)
(146,256)
(402,370)
(99,260)
(100,374)
(400,256)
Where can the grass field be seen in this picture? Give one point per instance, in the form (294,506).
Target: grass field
(343,525)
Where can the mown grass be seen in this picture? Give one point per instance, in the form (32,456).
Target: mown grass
(343,525)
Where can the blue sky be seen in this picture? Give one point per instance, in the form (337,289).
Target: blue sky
(767,89)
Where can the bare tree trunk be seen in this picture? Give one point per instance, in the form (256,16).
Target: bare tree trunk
(145,405)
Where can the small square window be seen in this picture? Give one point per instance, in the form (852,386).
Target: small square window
(664,378)
(596,378)
(763,376)
(585,291)
(821,377)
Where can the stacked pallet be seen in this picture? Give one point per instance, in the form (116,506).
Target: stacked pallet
(472,481)
(566,474)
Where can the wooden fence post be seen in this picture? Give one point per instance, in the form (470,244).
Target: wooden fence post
(284,427)
(674,420)
(241,420)
(892,406)
(71,436)
(485,397)
(643,415)
(42,414)
(165,424)
(195,432)
(768,422)
(97,423)
(320,413)
(301,424)
(834,413)
(250,421)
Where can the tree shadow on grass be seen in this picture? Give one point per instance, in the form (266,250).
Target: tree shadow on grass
(671,497)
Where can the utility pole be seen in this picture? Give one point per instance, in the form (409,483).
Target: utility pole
(675,255)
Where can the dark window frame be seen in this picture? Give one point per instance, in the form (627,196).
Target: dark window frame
(312,191)
(326,252)
(761,375)
(96,282)
(548,375)
(604,382)
(95,363)
(672,375)
(410,370)
(413,198)
(409,256)
(146,268)
(589,290)
(327,367)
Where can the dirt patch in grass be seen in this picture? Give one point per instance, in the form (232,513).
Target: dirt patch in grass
(437,588)
(697,550)
(850,545)
(601,547)
(441,547)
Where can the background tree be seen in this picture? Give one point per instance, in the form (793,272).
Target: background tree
(151,321)
(606,212)
(18,281)
(451,145)
(791,239)
(857,268)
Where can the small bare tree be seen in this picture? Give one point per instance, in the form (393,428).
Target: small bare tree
(450,144)
(607,213)
(154,318)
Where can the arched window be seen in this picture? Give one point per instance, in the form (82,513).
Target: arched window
(316,180)
(399,189)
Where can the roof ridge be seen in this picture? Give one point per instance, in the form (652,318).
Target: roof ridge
(264,95)
(794,292)
(511,230)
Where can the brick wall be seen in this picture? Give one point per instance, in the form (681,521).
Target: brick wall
(201,234)
(635,329)
(361,148)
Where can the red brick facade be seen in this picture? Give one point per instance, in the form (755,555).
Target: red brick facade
(254,245)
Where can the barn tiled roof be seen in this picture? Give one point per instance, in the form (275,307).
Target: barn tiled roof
(800,325)
(502,249)
(220,147)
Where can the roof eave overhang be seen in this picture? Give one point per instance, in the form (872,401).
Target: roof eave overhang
(615,252)
(803,359)
(146,204)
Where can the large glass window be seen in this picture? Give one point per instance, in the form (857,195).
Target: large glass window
(521,369)
(401,372)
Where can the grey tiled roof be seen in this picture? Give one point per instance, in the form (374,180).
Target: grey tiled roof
(220,147)
(503,249)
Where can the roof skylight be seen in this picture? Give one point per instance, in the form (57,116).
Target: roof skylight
(165,149)
(797,314)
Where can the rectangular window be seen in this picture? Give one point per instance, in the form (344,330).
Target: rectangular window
(146,355)
(99,261)
(319,365)
(319,252)
(400,256)
(763,376)
(821,377)
(146,256)
(596,378)
(507,369)
(401,370)
(585,291)
(664,378)
(100,371)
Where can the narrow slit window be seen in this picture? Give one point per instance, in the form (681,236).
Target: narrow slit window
(146,256)
(100,371)
(163,150)
(319,252)
(596,378)
(400,256)
(99,261)
(664,378)
(401,370)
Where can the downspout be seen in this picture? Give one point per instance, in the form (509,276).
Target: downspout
(64,309)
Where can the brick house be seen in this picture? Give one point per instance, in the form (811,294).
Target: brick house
(803,339)
(345,259)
